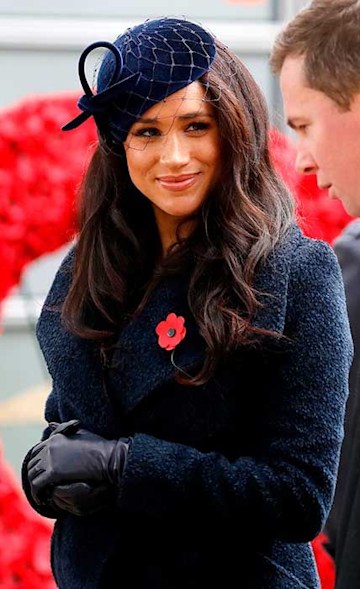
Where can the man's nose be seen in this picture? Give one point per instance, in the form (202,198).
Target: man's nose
(175,150)
(305,163)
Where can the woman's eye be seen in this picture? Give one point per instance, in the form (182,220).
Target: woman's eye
(147,132)
(198,126)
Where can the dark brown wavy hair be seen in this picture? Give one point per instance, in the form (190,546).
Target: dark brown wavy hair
(118,252)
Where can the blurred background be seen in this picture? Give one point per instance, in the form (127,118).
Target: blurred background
(40,43)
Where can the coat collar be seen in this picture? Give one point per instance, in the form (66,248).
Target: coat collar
(272,282)
(141,366)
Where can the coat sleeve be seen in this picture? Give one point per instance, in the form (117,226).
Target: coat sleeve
(52,306)
(45,328)
(287,489)
(54,297)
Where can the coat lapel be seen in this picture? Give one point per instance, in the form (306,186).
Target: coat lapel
(139,364)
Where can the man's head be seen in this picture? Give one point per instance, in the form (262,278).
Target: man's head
(318,58)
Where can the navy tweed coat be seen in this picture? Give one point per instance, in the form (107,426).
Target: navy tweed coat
(226,484)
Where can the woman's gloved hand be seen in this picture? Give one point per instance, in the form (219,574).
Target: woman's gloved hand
(67,457)
(82,498)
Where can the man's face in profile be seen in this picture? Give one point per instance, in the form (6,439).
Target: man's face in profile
(328,138)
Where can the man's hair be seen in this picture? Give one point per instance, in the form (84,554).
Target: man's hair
(327,34)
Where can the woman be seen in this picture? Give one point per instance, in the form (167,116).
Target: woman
(197,341)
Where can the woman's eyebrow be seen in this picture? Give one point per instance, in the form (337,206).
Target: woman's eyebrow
(190,115)
(194,115)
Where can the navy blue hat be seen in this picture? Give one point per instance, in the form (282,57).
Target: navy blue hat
(142,67)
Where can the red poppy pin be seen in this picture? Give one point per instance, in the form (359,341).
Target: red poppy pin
(170,333)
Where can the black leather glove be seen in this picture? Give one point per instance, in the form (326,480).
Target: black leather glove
(66,428)
(82,498)
(74,457)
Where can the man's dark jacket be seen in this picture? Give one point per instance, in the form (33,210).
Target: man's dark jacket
(343,525)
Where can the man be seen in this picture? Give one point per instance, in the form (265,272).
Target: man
(317,56)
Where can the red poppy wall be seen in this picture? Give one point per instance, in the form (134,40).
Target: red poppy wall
(24,538)
(40,169)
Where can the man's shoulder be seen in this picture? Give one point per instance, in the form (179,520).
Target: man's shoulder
(350,236)
(347,248)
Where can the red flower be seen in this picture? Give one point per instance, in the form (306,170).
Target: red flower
(24,537)
(171,331)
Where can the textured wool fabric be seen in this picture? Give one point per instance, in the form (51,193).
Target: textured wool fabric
(230,480)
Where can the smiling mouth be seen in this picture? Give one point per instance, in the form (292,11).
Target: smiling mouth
(178,183)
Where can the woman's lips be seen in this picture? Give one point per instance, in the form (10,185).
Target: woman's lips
(178,183)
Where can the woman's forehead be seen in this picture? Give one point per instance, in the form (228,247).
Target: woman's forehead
(186,102)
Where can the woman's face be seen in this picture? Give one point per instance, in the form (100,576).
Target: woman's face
(173,157)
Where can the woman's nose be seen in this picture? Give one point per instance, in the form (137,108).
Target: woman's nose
(175,150)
